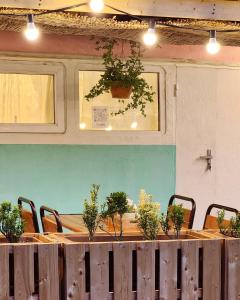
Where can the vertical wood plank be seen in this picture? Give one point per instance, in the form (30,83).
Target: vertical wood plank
(75,271)
(48,272)
(122,271)
(168,270)
(190,255)
(23,271)
(4,272)
(99,271)
(233,268)
(212,269)
(146,270)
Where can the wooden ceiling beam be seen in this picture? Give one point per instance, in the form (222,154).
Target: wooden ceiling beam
(228,10)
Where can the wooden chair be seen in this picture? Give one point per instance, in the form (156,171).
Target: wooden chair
(210,221)
(29,217)
(50,225)
(188,213)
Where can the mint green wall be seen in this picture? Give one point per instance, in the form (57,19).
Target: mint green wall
(60,175)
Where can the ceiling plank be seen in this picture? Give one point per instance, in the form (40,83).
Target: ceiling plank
(195,9)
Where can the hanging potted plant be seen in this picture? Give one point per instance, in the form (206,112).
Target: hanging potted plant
(122,77)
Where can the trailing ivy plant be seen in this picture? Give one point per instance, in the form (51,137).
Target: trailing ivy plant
(126,73)
(176,215)
(91,215)
(116,206)
(11,224)
(149,220)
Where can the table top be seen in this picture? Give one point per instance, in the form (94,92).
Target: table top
(74,222)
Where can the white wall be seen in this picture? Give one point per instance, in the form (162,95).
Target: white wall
(208,117)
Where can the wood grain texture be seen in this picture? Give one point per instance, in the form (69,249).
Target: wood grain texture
(48,272)
(233,269)
(168,270)
(4,272)
(23,271)
(146,270)
(212,269)
(122,271)
(190,267)
(75,271)
(99,271)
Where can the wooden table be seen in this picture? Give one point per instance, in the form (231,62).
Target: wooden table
(75,223)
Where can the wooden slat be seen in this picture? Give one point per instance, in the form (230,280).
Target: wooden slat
(4,272)
(190,255)
(99,271)
(233,269)
(50,225)
(23,271)
(207,9)
(75,271)
(146,270)
(48,272)
(212,269)
(168,270)
(122,271)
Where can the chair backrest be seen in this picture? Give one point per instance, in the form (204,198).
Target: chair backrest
(29,217)
(189,214)
(210,221)
(50,225)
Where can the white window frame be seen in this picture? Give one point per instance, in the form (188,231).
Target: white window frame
(96,65)
(38,68)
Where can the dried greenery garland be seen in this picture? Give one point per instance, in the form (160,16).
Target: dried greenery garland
(126,73)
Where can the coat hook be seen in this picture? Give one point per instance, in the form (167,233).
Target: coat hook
(208,158)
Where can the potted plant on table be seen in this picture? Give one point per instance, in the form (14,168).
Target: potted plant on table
(122,77)
(11,224)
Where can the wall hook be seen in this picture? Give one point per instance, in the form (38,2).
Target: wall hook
(208,158)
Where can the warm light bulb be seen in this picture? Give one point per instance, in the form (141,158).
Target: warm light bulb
(150,37)
(83,125)
(134,125)
(109,128)
(96,5)
(213,46)
(31,32)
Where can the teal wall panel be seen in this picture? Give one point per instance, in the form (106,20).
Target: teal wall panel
(60,176)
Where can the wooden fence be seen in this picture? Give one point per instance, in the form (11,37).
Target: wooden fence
(29,271)
(142,270)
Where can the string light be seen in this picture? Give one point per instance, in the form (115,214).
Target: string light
(150,37)
(109,128)
(213,46)
(31,32)
(96,5)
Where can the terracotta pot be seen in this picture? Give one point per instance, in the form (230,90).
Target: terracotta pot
(120,92)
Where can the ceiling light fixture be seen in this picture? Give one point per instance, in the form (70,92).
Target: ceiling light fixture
(96,5)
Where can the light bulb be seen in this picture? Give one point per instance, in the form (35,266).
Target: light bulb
(150,37)
(109,128)
(213,46)
(31,32)
(96,5)
(83,125)
(134,125)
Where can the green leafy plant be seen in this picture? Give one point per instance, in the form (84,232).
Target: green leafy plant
(125,73)
(164,221)
(220,219)
(177,217)
(11,224)
(91,215)
(116,205)
(149,220)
